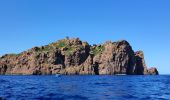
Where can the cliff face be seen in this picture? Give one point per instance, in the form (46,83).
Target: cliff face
(72,56)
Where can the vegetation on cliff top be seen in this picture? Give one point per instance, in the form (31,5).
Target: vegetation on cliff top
(97,50)
(66,45)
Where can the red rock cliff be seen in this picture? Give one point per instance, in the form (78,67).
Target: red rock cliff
(72,56)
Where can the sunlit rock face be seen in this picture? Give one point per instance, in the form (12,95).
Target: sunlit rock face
(74,57)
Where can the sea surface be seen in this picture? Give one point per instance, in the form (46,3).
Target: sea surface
(85,87)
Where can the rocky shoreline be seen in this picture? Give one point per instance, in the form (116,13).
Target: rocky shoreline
(74,57)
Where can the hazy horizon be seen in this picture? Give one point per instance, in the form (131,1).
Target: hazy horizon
(144,24)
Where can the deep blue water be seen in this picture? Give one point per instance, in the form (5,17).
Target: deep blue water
(85,87)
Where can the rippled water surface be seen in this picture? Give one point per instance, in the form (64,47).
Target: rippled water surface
(85,87)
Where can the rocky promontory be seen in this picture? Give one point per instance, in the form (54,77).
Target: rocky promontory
(74,57)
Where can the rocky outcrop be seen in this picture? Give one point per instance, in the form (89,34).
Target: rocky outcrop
(153,71)
(140,63)
(72,56)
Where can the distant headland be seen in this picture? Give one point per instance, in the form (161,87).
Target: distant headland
(74,57)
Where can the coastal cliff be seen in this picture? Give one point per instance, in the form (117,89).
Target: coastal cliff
(74,57)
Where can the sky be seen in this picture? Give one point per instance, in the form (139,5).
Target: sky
(145,24)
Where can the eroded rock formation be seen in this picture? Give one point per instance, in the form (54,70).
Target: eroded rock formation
(72,56)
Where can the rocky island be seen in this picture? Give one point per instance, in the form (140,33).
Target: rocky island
(74,57)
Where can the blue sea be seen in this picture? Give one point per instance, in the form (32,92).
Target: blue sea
(85,87)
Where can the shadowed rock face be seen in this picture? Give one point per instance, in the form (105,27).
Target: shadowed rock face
(140,63)
(72,56)
(153,71)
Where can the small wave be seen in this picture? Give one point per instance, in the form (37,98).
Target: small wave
(100,83)
(73,97)
(3,81)
(129,96)
(31,88)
